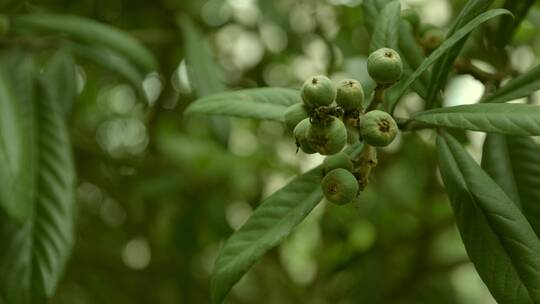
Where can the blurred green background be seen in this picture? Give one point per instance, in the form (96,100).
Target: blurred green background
(158,193)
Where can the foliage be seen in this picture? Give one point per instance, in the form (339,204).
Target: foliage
(115,187)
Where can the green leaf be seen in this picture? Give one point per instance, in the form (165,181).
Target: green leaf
(33,256)
(260,103)
(270,224)
(385,33)
(514,164)
(412,55)
(371,10)
(442,66)
(15,158)
(202,69)
(88,31)
(498,239)
(521,86)
(408,48)
(113,62)
(443,48)
(511,119)
(61,78)
(507,26)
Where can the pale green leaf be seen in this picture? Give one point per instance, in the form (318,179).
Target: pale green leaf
(511,119)
(371,10)
(514,163)
(385,33)
(443,48)
(260,103)
(521,86)
(499,241)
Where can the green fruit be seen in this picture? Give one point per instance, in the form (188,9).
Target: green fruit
(432,38)
(339,186)
(329,138)
(350,94)
(385,66)
(300,134)
(424,27)
(410,15)
(295,114)
(378,128)
(339,160)
(318,91)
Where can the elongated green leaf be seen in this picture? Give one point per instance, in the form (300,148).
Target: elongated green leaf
(15,174)
(267,227)
(511,119)
(442,66)
(514,164)
(202,68)
(261,103)
(507,26)
(33,257)
(413,56)
(113,62)
(271,222)
(203,71)
(385,33)
(498,239)
(371,10)
(89,31)
(61,77)
(519,87)
(443,48)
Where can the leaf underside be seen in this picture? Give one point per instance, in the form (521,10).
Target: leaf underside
(499,241)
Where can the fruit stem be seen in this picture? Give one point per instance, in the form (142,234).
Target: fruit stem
(378,98)
(364,165)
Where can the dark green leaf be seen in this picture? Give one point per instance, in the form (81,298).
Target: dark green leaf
(498,239)
(385,33)
(261,103)
(15,158)
(511,119)
(89,31)
(113,62)
(441,50)
(443,65)
(507,25)
(514,163)
(202,68)
(33,256)
(61,78)
(519,87)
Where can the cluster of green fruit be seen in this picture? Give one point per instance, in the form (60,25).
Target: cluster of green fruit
(331,116)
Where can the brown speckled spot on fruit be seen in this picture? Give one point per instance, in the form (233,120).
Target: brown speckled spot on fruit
(384,126)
